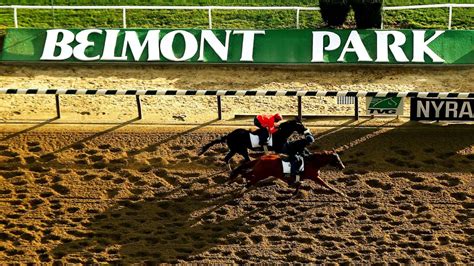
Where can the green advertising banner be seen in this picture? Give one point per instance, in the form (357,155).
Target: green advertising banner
(240,46)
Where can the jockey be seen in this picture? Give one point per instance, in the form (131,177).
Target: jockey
(297,152)
(268,122)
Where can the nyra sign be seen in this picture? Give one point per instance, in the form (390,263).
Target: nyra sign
(240,46)
(442,109)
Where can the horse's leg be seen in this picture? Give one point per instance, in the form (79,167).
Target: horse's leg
(297,189)
(227,158)
(333,189)
(245,154)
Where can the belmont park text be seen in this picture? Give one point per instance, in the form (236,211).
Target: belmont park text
(242,45)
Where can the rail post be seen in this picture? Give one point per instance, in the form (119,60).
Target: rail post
(209,16)
(297,18)
(139,106)
(381,22)
(356,108)
(450,16)
(219,107)
(15,17)
(300,113)
(58,109)
(124,17)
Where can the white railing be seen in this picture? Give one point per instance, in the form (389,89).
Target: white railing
(209,9)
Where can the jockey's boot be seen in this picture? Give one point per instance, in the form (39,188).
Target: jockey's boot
(263,143)
(297,180)
(294,169)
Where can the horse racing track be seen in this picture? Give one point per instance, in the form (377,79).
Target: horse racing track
(145,196)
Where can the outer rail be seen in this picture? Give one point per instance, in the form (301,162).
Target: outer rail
(219,93)
(209,9)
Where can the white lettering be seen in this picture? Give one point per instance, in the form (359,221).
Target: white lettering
(318,44)
(437,108)
(248,43)
(451,107)
(109,46)
(151,39)
(357,47)
(383,46)
(425,109)
(420,46)
(221,50)
(80,49)
(466,110)
(52,42)
(190,46)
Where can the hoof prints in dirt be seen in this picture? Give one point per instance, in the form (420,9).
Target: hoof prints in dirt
(162,204)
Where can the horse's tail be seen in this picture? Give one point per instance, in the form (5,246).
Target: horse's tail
(241,168)
(212,143)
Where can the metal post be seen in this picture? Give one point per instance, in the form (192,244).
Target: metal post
(219,107)
(356,107)
(300,113)
(297,18)
(124,17)
(52,9)
(15,17)
(381,22)
(58,110)
(139,106)
(450,16)
(209,15)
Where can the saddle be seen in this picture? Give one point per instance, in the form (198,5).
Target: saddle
(255,140)
(286,163)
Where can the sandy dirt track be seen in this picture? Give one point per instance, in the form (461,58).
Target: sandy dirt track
(98,185)
(202,109)
(133,195)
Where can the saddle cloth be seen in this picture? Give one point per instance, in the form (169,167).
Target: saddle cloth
(255,141)
(287,167)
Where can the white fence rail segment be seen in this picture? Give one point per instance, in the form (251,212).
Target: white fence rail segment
(426,6)
(210,8)
(219,93)
(173,92)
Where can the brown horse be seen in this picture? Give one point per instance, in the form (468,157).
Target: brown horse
(271,166)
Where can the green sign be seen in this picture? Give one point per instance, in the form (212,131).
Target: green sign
(384,106)
(240,46)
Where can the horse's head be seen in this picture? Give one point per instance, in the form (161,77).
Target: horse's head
(336,161)
(292,126)
(330,158)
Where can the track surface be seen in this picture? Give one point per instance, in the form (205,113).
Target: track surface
(135,196)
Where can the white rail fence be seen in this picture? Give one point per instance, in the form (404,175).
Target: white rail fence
(220,93)
(209,9)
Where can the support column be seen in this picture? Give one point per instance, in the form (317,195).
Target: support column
(58,109)
(300,112)
(219,107)
(356,108)
(139,106)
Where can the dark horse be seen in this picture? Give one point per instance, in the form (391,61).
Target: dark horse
(271,166)
(238,140)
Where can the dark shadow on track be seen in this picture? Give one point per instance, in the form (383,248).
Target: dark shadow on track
(409,147)
(29,129)
(98,134)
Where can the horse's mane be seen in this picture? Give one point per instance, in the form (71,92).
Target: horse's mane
(294,120)
(319,154)
(326,152)
(290,122)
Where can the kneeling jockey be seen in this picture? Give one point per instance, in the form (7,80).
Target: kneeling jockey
(267,122)
(296,155)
